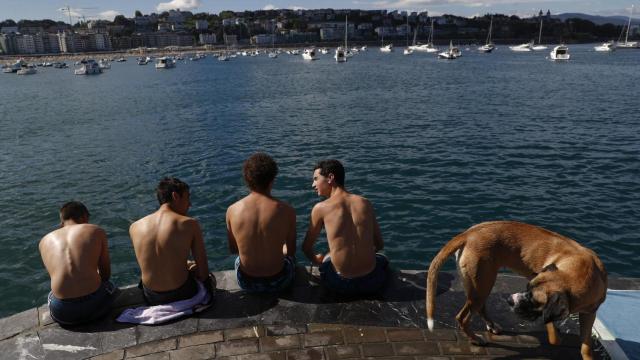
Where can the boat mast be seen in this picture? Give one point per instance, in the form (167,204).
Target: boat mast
(626,37)
(346,31)
(407,30)
(540,34)
(431,34)
(490,27)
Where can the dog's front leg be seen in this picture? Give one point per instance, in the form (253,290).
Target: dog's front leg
(586,324)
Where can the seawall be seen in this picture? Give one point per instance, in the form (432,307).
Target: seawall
(305,322)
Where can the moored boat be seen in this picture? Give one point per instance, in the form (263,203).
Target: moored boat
(309,54)
(165,62)
(605,47)
(560,52)
(88,67)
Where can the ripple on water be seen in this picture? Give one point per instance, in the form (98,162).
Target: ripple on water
(436,146)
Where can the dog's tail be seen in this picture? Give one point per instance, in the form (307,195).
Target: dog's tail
(432,277)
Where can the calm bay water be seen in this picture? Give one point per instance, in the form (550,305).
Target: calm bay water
(437,146)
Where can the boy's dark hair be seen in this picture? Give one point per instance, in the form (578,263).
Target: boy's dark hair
(169,185)
(334,167)
(74,210)
(259,171)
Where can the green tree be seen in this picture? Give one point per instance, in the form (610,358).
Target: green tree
(227,14)
(138,13)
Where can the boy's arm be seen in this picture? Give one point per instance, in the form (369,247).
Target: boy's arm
(291,236)
(199,252)
(233,245)
(315,226)
(104,262)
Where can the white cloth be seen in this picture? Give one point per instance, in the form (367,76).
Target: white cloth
(158,314)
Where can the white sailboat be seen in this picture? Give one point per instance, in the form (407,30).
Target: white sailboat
(449,54)
(408,50)
(385,48)
(341,53)
(522,47)
(273,54)
(539,46)
(488,46)
(627,44)
(428,47)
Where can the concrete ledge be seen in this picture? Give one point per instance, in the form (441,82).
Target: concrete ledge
(305,322)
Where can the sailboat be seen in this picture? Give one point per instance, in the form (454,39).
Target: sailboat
(627,44)
(385,48)
(539,46)
(488,46)
(273,54)
(449,54)
(522,47)
(428,47)
(408,50)
(341,53)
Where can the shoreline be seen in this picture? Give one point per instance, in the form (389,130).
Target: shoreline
(217,49)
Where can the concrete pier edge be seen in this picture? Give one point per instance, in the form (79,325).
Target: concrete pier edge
(305,322)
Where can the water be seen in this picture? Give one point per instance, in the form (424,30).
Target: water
(436,145)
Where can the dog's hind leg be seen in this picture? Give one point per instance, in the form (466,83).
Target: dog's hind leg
(586,325)
(492,327)
(464,320)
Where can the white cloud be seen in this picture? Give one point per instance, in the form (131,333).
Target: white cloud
(296,8)
(269,7)
(108,15)
(178,4)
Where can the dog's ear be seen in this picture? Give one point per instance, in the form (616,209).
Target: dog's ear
(556,308)
(550,267)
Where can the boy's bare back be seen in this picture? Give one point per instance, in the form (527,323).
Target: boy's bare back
(259,228)
(73,255)
(162,242)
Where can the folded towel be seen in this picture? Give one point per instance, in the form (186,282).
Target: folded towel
(158,314)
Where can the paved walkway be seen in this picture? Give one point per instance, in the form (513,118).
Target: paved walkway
(305,322)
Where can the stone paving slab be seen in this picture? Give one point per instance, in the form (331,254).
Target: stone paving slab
(304,322)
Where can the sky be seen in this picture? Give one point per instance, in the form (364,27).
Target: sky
(96,9)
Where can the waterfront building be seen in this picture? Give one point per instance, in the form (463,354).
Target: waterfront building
(164,27)
(230,40)
(262,39)
(202,24)
(8,29)
(31,30)
(66,41)
(26,44)
(100,42)
(8,43)
(50,42)
(207,39)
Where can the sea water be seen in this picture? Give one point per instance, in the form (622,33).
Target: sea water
(436,145)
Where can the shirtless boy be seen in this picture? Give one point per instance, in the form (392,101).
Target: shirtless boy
(352,266)
(77,259)
(163,242)
(262,230)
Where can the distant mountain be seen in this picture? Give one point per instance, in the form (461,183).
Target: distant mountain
(598,20)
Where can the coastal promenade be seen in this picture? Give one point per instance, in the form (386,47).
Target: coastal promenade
(306,322)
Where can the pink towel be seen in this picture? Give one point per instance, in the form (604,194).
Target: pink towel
(158,314)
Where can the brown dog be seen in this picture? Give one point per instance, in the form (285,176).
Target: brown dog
(564,277)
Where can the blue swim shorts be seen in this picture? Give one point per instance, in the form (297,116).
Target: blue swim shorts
(82,309)
(271,284)
(368,284)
